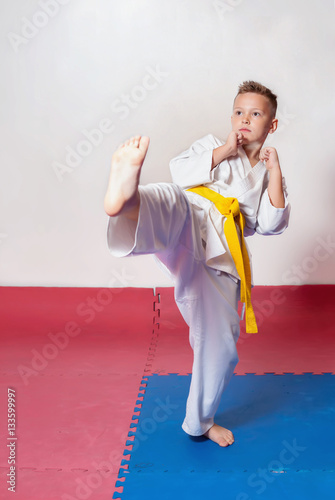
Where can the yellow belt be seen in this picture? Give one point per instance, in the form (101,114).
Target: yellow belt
(229,207)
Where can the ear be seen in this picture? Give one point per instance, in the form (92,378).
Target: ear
(273,126)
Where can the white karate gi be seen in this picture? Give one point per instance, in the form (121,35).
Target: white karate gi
(185,232)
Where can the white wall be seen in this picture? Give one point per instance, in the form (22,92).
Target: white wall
(72,71)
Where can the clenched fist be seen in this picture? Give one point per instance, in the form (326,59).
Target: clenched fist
(270,157)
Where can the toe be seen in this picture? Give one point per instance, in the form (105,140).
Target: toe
(134,141)
(222,442)
(230,439)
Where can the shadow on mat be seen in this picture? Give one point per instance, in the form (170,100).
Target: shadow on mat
(258,400)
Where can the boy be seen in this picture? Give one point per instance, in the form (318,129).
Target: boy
(194,232)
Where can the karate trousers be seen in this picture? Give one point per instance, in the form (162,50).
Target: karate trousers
(168,227)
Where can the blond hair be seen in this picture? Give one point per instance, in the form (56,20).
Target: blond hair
(258,88)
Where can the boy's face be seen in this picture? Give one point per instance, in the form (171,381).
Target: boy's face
(252,116)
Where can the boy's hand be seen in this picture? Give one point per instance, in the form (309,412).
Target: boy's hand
(275,186)
(234,140)
(270,157)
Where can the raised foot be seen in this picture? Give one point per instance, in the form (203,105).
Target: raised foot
(122,192)
(220,435)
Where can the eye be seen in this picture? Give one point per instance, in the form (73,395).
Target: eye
(256,113)
(238,113)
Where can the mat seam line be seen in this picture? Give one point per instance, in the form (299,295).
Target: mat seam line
(123,469)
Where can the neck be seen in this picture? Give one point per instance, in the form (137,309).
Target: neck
(252,151)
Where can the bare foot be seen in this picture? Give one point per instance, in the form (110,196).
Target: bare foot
(220,435)
(122,192)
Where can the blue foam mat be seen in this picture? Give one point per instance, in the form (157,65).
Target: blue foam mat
(284,442)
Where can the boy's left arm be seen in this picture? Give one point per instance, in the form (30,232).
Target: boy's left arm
(275,187)
(274,210)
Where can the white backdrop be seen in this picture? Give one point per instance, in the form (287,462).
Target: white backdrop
(168,69)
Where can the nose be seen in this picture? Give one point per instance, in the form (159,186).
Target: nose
(245,119)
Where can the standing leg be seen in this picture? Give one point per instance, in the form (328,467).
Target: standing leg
(214,331)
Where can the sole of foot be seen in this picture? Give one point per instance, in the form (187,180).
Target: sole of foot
(126,166)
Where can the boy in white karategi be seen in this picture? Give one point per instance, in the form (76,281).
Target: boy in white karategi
(197,233)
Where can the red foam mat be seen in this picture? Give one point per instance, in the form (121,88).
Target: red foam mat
(76,389)
(296,333)
(76,358)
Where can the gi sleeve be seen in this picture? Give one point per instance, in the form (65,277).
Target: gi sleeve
(272,220)
(193,166)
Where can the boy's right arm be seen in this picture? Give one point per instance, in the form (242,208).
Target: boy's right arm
(194,166)
(228,149)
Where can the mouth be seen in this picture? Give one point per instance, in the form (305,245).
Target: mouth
(244,130)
